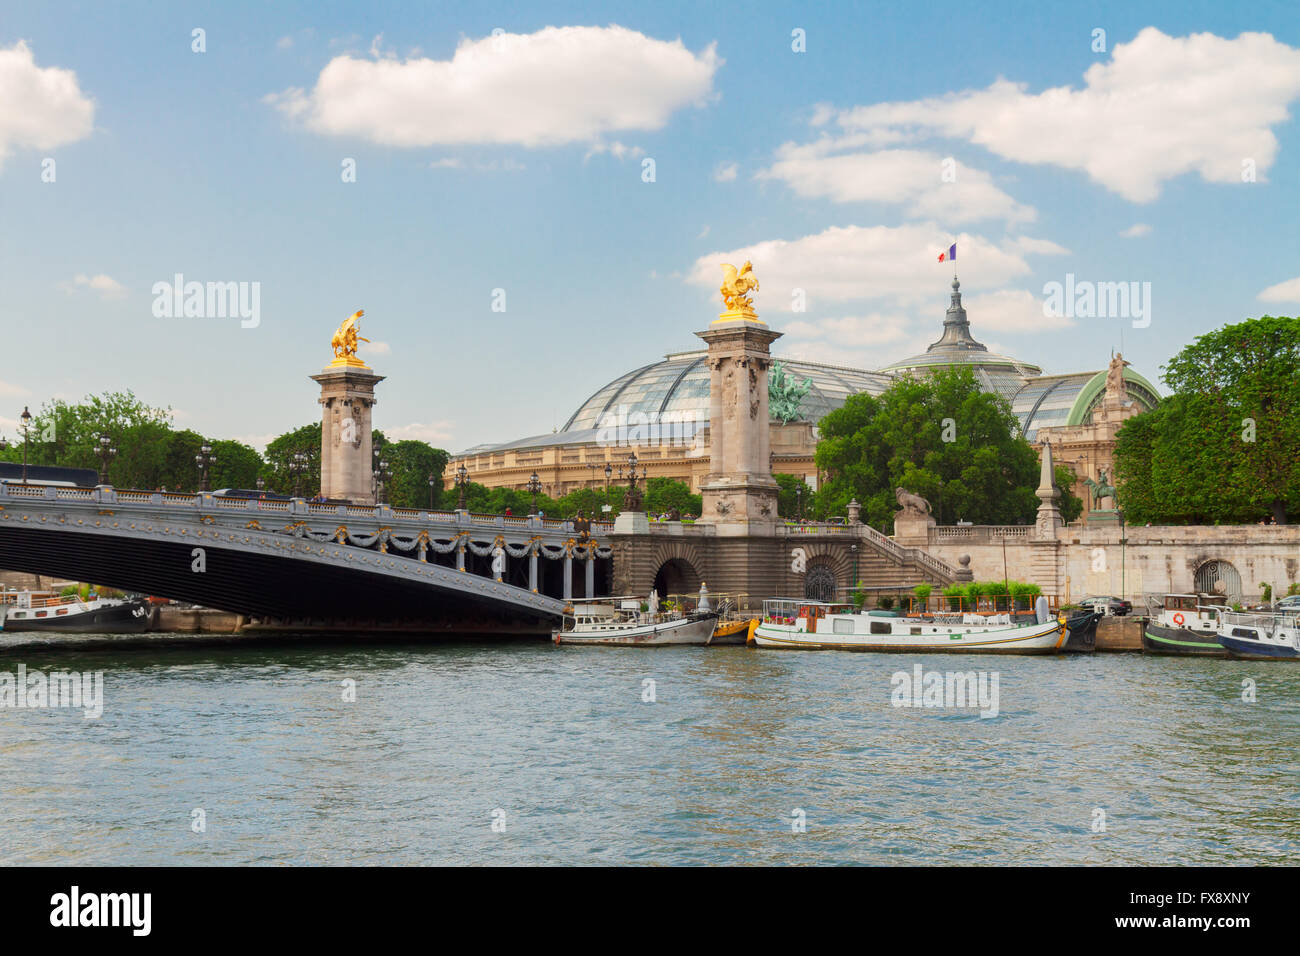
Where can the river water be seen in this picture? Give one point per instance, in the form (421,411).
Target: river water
(1119,759)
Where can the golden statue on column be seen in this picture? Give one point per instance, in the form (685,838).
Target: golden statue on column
(735,289)
(345,342)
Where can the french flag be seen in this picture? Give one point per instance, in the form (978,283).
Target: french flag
(950,255)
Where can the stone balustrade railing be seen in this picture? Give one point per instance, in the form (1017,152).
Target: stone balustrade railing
(948,534)
(206,503)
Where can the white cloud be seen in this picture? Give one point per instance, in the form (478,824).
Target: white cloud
(1161,107)
(913,178)
(1288,291)
(7,388)
(615,149)
(284,43)
(1012,310)
(725,173)
(558,85)
(1136,231)
(40,107)
(843,263)
(106,286)
(379,348)
(491,165)
(433,433)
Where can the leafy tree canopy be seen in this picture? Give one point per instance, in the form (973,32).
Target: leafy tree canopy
(939,436)
(1225,446)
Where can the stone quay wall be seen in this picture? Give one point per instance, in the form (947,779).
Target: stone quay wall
(1155,559)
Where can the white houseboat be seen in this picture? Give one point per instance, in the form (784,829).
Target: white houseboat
(817,625)
(632,621)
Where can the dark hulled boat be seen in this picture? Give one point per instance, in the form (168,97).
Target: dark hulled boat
(1186,624)
(39,611)
(1081,630)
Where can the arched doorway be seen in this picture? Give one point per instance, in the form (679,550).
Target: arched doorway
(1219,577)
(677,576)
(820,583)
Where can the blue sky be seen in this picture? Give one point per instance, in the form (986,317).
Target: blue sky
(518,164)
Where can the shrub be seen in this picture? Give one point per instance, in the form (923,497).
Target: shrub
(885,602)
(922,591)
(1266,591)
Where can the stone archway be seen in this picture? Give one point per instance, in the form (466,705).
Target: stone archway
(677,576)
(1219,577)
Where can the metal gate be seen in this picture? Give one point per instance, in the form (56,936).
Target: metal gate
(1219,577)
(820,584)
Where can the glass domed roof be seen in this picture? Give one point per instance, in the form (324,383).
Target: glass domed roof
(679,387)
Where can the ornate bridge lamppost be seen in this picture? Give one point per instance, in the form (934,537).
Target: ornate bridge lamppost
(433,480)
(632,500)
(798,500)
(261,485)
(609,473)
(382,477)
(297,468)
(106,453)
(205,460)
(462,485)
(26,419)
(534,487)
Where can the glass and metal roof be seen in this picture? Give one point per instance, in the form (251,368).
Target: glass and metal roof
(680,385)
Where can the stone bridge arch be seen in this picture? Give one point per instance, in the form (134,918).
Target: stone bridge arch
(678,568)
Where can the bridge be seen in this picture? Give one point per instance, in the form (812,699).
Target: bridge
(307,563)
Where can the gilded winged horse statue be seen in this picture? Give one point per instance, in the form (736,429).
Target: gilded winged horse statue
(736,286)
(346,338)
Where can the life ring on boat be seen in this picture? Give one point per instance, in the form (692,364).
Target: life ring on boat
(1179,619)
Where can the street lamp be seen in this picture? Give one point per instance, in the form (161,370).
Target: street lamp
(853,550)
(204,459)
(261,484)
(609,472)
(432,481)
(1123,558)
(462,484)
(534,486)
(297,468)
(382,477)
(798,501)
(26,418)
(106,453)
(632,500)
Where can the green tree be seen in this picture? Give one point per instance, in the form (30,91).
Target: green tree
(941,437)
(66,434)
(238,465)
(665,494)
(410,463)
(1071,505)
(1224,447)
(279,453)
(787,504)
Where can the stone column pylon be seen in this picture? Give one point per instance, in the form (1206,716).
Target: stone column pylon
(740,494)
(347,394)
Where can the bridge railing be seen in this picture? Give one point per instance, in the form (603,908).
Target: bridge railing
(208,502)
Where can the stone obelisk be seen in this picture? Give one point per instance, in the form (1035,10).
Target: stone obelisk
(347,393)
(739,492)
